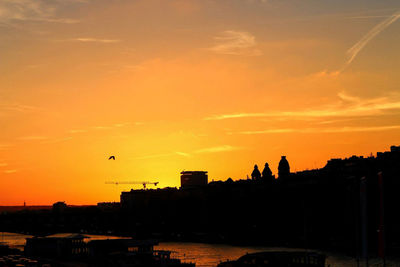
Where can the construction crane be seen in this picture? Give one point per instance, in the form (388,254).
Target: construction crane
(132,182)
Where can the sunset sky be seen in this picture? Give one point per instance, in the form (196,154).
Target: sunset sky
(172,85)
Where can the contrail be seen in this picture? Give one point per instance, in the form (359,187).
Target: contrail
(355,49)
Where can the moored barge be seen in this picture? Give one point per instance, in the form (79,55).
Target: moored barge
(278,259)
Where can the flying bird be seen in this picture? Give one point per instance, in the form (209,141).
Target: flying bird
(111,157)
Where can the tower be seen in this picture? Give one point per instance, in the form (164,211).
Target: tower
(283,168)
(267,173)
(256,175)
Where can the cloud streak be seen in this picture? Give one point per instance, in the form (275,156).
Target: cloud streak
(33,137)
(30,10)
(356,48)
(9,171)
(320,130)
(217,149)
(4,146)
(16,107)
(95,40)
(57,140)
(105,127)
(349,106)
(75,131)
(182,154)
(163,155)
(235,43)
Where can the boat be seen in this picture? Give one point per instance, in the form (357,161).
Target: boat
(73,250)
(278,259)
(132,253)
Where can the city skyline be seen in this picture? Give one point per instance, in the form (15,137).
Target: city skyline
(197,85)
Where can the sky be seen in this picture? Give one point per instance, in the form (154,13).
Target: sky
(172,85)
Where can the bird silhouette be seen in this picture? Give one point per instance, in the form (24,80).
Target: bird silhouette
(111,157)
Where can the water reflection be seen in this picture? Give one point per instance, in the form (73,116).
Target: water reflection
(14,240)
(205,255)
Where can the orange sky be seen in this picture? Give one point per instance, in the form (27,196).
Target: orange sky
(188,84)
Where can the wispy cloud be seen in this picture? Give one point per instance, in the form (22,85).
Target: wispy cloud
(362,129)
(74,131)
(216,149)
(44,139)
(51,140)
(118,125)
(163,155)
(94,40)
(102,127)
(326,73)
(3,164)
(65,20)
(10,171)
(33,137)
(320,130)
(4,146)
(357,47)
(154,156)
(237,115)
(348,98)
(182,154)
(369,17)
(349,106)
(268,131)
(235,43)
(257,1)
(17,107)
(12,11)
(338,120)
(57,140)
(105,127)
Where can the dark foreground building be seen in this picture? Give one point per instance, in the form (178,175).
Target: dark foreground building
(318,208)
(190,179)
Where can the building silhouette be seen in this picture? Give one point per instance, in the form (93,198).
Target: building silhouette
(320,204)
(283,168)
(267,173)
(193,179)
(256,175)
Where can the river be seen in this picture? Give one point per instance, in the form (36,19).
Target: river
(209,255)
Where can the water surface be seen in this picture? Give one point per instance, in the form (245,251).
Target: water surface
(208,255)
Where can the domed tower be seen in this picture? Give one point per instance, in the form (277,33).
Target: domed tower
(283,168)
(255,175)
(267,173)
